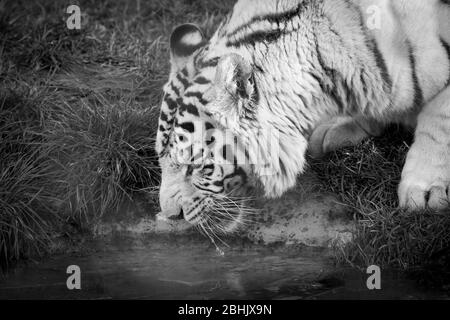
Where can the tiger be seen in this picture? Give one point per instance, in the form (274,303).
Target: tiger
(313,75)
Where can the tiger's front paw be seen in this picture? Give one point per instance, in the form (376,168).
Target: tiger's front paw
(422,194)
(339,132)
(334,134)
(425,182)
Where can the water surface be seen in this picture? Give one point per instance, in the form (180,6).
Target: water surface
(164,267)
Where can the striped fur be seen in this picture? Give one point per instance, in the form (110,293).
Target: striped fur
(317,74)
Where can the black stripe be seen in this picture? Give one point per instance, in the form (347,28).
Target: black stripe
(257,67)
(418,94)
(209,63)
(227,153)
(335,97)
(197,95)
(218,183)
(201,80)
(258,36)
(381,64)
(447,48)
(222,27)
(331,91)
(296,125)
(208,167)
(188,126)
(316,77)
(346,98)
(305,104)
(163,116)
(195,207)
(210,141)
(208,126)
(165,142)
(352,100)
(272,18)
(198,156)
(373,46)
(190,108)
(320,58)
(281,19)
(175,89)
(184,72)
(171,104)
(183,80)
(208,190)
(282,167)
(238,171)
(199,54)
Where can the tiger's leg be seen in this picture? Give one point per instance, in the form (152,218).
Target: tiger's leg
(341,131)
(426,174)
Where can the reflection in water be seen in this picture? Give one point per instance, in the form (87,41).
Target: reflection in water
(186,268)
(234,282)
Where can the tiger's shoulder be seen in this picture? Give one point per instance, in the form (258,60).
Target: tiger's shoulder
(413,37)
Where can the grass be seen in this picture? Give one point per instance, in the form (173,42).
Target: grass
(366,179)
(67,161)
(78,112)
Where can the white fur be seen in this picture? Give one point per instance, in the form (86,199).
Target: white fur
(328,33)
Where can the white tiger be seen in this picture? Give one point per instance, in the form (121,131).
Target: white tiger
(320,73)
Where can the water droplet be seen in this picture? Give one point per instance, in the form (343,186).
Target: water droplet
(219,251)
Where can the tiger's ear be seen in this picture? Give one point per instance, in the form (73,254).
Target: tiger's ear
(185,39)
(234,77)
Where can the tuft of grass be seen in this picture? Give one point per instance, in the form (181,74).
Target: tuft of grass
(68,162)
(26,177)
(105,152)
(366,179)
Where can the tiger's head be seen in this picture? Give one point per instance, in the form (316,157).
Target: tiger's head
(214,142)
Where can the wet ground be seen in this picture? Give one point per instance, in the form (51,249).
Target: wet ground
(164,267)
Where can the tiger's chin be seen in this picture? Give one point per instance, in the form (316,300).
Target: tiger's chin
(220,216)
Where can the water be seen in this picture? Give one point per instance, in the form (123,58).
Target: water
(163,267)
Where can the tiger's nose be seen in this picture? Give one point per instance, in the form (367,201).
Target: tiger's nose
(170,215)
(180,216)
